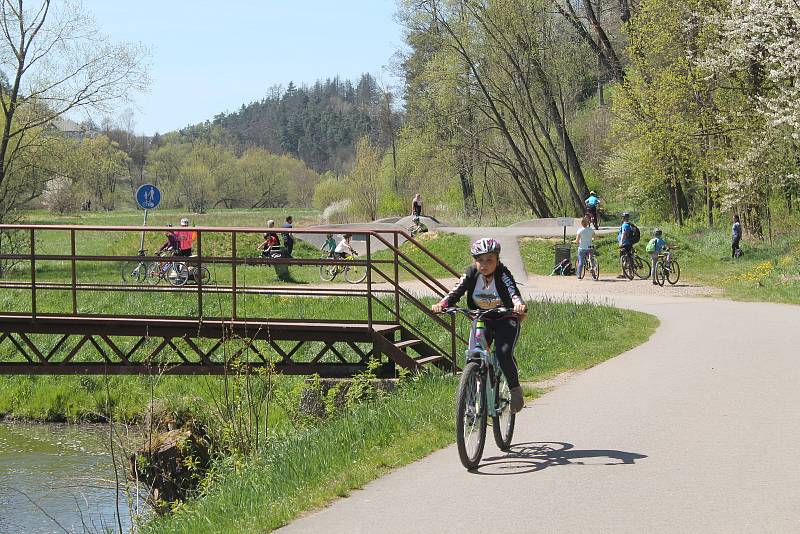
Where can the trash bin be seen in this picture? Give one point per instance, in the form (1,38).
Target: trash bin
(563,252)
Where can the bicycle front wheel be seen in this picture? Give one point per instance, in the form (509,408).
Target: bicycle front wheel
(471,416)
(627,266)
(674,272)
(355,274)
(642,267)
(594,267)
(661,273)
(503,423)
(133,271)
(153,273)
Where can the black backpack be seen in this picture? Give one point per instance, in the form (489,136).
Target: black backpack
(636,235)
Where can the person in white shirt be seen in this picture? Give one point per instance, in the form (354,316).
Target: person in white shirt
(344,248)
(583,238)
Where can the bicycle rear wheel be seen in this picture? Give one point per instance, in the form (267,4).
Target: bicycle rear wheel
(178,274)
(133,271)
(674,272)
(642,267)
(355,274)
(327,272)
(471,416)
(594,267)
(153,273)
(503,423)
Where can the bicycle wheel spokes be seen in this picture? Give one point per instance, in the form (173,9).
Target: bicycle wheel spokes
(642,267)
(153,273)
(595,267)
(627,266)
(327,272)
(133,271)
(503,425)
(471,416)
(673,272)
(178,274)
(661,273)
(355,274)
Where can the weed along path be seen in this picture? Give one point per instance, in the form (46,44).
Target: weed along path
(696,430)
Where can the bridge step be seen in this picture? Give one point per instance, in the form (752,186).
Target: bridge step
(407,343)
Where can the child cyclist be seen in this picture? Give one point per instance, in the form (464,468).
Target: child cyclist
(488,284)
(655,247)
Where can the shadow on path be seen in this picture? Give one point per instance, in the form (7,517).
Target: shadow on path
(525,458)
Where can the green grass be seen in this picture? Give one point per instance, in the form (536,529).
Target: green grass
(306,470)
(453,249)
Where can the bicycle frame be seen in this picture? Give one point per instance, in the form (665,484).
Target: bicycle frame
(478,351)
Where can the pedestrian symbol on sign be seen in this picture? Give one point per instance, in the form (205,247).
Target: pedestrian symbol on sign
(148,196)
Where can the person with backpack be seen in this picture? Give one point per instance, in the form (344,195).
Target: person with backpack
(288,239)
(628,236)
(654,247)
(736,236)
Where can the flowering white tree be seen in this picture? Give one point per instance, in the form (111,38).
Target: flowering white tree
(759,41)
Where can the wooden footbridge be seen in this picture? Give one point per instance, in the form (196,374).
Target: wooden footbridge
(65,310)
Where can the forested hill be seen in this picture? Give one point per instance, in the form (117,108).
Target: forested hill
(320,124)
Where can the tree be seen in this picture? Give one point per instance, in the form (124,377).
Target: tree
(364,180)
(57,63)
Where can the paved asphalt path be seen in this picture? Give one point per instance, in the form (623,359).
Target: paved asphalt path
(696,430)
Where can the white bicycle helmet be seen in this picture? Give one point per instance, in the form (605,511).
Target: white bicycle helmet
(484,246)
(184,222)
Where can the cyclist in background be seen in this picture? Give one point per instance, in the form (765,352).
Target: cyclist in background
(583,238)
(344,248)
(654,247)
(624,238)
(416,205)
(172,242)
(329,245)
(185,239)
(591,204)
(489,284)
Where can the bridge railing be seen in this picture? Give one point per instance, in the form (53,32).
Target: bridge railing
(59,259)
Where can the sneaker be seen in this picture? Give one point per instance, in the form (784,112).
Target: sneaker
(655,283)
(517,399)
(621,276)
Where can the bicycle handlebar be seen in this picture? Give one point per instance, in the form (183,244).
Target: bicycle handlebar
(477,314)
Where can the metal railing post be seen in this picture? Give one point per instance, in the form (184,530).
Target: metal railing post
(33,273)
(369,281)
(74,273)
(233,275)
(396,279)
(198,275)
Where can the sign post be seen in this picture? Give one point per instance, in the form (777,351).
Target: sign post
(148,197)
(564,222)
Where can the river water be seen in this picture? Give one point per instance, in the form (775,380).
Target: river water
(64,472)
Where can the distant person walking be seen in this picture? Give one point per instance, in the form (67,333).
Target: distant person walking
(416,206)
(591,203)
(736,236)
(288,240)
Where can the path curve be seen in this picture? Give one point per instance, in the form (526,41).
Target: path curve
(696,430)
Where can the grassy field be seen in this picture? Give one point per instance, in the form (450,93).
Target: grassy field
(766,272)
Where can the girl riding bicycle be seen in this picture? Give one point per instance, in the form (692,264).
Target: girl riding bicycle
(489,284)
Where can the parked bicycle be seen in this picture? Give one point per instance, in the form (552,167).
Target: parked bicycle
(176,273)
(634,265)
(134,270)
(667,268)
(482,392)
(590,263)
(355,274)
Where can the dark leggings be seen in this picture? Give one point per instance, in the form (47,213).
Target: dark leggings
(505,333)
(734,246)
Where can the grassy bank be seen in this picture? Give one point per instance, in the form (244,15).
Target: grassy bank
(307,469)
(767,271)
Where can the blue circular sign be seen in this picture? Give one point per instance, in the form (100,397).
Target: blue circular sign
(148,196)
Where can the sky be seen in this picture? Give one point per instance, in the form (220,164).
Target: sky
(210,57)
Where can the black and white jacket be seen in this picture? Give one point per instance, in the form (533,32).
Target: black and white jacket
(504,281)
